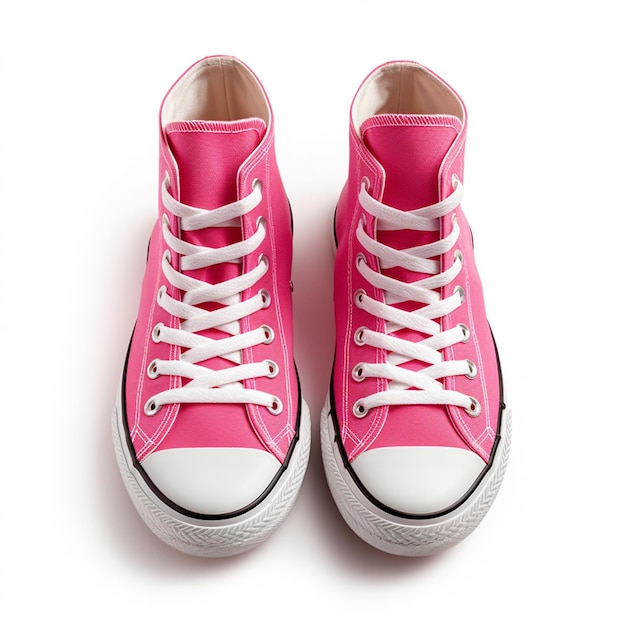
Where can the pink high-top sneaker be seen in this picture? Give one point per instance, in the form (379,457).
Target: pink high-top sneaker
(415,434)
(211,432)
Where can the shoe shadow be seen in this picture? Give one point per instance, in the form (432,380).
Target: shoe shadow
(314,327)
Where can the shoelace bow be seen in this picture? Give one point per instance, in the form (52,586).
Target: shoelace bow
(204,384)
(406,386)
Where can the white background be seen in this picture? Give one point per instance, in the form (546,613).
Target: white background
(80,89)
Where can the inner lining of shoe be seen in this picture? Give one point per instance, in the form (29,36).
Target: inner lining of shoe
(404,88)
(218,90)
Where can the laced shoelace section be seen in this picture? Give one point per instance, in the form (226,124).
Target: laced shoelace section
(406,386)
(206,385)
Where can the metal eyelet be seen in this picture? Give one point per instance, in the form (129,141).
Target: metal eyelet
(358,336)
(474,408)
(473,370)
(161,293)
(359,409)
(263,259)
(455,180)
(458,256)
(357,372)
(273,369)
(257,182)
(269,334)
(466,332)
(458,289)
(153,369)
(151,408)
(359,294)
(266,299)
(156,332)
(365,182)
(360,258)
(276,407)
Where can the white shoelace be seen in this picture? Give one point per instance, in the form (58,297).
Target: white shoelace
(406,386)
(207,385)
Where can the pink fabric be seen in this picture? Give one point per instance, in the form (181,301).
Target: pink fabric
(409,161)
(210,164)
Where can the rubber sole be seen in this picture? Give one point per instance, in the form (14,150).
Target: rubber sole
(401,536)
(213,538)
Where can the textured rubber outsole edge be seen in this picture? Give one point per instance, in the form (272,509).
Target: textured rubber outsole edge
(214,538)
(406,537)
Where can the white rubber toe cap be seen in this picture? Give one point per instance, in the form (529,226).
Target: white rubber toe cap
(418,480)
(211,481)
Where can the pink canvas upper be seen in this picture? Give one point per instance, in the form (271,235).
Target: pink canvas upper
(408,159)
(209,163)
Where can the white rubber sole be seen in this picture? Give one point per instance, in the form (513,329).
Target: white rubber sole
(401,536)
(213,538)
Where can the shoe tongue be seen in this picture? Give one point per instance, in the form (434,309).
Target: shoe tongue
(411,149)
(209,155)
